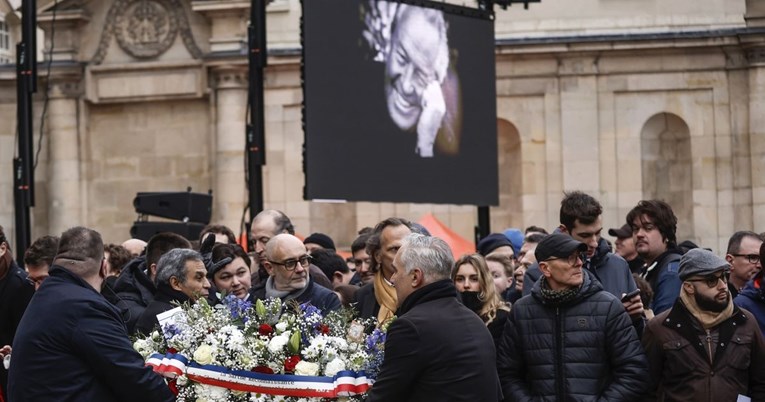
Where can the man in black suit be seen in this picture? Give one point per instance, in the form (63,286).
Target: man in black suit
(437,349)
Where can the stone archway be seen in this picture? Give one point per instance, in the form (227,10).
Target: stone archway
(509,213)
(667,169)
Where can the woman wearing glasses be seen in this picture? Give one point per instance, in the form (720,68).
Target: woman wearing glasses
(476,286)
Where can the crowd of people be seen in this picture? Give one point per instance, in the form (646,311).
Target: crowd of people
(532,315)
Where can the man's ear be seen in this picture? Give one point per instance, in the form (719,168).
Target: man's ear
(729,258)
(337,275)
(563,229)
(153,271)
(545,268)
(269,268)
(418,277)
(689,288)
(103,270)
(175,283)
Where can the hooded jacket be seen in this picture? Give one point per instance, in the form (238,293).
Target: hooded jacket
(584,350)
(135,291)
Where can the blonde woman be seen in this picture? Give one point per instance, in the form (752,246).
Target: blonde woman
(476,287)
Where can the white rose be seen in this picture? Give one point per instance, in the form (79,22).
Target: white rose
(306,368)
(203,354)
(277,343)
(333,367)
(281,327)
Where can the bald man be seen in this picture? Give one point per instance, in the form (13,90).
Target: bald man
(287,262)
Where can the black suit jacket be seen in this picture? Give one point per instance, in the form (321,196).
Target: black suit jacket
(437,350)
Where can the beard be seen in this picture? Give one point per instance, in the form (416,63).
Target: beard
(710,303)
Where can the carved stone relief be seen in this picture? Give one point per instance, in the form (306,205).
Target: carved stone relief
(145,29)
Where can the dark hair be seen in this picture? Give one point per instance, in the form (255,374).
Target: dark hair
(161,243)
(662,216)
(373,242)
(221,251)
(218,229)
(734,244)
(360,243)
(81,244)
(533,228)
(3,239)
(118,256)
(535,237)
(329,262)
(347,293)
(42,250)
(579,206)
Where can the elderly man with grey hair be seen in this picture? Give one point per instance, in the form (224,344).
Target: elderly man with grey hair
(181,277)
(437,349)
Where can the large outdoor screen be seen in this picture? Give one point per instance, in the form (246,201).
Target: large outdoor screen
(400,102)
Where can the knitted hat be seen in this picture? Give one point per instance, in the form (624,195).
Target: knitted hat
(516,238)
(701,262)
(321,239)
(491,243)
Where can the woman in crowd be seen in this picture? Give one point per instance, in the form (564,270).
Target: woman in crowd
(476,286)
(230,271)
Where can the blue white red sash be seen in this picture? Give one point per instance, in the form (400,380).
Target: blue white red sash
(345,383)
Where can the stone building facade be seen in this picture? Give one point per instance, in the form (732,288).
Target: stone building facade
(625,100)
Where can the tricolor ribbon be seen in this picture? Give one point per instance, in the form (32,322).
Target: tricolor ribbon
(344,383)
(170,365)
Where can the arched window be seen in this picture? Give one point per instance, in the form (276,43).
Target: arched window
(667,167)
(510,210)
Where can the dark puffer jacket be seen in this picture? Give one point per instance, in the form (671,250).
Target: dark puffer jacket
(752,298)
(583,350)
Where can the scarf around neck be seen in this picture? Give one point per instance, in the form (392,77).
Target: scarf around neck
(557,297)
(285,295)
(386,298)
(707,319)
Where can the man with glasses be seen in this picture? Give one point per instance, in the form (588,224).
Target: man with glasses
(570,338)
(744,258)
(39,257)
(287,262)
(581,218)
(705,348)
(752,297)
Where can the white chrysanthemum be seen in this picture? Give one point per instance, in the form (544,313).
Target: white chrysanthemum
(210,393)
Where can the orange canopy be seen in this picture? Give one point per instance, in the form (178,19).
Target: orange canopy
(458,244)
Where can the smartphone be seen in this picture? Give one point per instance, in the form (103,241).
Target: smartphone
(630,295)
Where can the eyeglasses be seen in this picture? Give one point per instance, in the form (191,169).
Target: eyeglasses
(570,259)
(712,280)
(752,258)
(291,264)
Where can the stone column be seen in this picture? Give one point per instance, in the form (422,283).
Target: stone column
(229,187)
(756,58)
(64,178)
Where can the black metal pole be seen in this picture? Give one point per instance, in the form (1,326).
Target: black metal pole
(255,135)
(484,226)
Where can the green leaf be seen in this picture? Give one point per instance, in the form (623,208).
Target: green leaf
(294,344)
